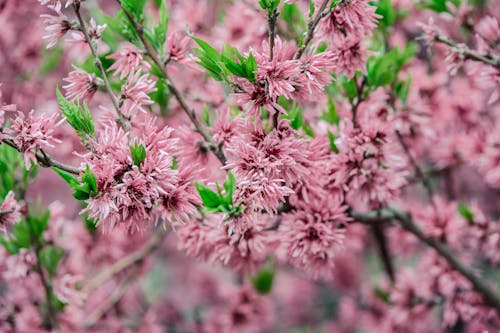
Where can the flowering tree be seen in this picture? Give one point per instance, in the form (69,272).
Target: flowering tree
(250,166)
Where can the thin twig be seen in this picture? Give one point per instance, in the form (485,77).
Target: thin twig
(155,57)
(125,262)
(121,119)
(43,159)
(110,302)
(271,22)
(385,255)
(311,27)
(406,221)
(468,53)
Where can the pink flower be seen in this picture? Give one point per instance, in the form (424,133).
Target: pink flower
(135,93)
(311,236)
(128,61)
(350,19)
(32,134)
(94,32)
(10,212)
(56,26)
(350,56)
(177,47)
(81,85)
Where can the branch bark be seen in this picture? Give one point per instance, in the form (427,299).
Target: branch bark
(405,220)
(311,27)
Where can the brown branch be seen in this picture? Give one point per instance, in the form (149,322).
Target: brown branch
(467,53)
(311,27)
(43,159)
(385,255)
(121,119)
(125,262)
(405,220)
(271,22)
(155,57)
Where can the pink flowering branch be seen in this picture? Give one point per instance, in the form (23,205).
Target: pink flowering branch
(155,57)
(121,119)
(44,160)
(406,221)
(311,27)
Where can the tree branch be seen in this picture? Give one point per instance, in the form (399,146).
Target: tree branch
(121,119)
(405,220)
(155,57)
(43,159)
(125,262)
(311,26)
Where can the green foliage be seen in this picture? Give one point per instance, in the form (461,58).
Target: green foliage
(263,280)
(387,12)
(292,16)
(333,146)
(230,61)
(81,190)
(330,115)
(439,6)
(50,257)
(349,87)
(138,153)
(135,8)
(217,202)
(13,173)
(26,232)
(269,5)
(159,32)
(466,212)
(383,295)
(383,70)
(79,118)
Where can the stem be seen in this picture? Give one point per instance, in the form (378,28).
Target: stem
(47,286)
(271,21)
(125,262)
(406,221)
(359,90)
(155,57)
(311,26)
(43,159)
(491,60)
(381,240)
(121,119)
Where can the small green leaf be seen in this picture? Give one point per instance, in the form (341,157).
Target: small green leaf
(89,179)
(263,280)
(383,295)
(79,118)
(50,257)
(68,177)
(209,198)
(229,186)
(333,146)
(465,212)
(330,115)
(138,152)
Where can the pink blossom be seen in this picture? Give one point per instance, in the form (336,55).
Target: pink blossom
(10,212)
(30,134)
(350,56)
(177,47)
(128,61)
(81,85)
(135,93)
(56,26)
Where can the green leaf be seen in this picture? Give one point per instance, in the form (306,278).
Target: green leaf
(9,246)
(229,186)
(68,177)
(465,212)
(89,179)
(80,119)
(333,146)
(20,238)
(37,223)
(138,152)
(81,195)
(209,198)
(50,257)
(263,280)
(160,31)
(135,8)
(382,295)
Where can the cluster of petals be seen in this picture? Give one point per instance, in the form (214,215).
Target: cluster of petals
(31,133)
(81,85)
(10,212)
